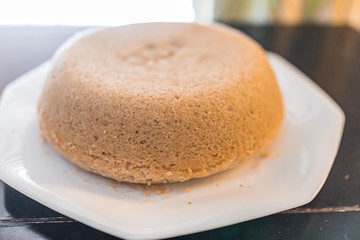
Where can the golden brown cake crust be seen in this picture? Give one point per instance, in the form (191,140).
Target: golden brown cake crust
(160,102)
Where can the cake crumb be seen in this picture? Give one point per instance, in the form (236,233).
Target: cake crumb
(146,200)
(266,154)
(157,189)
(187,189)
(113,185)
(167,196)
(97,183)
(189,203)
(144,193)
(241,185)
(65,171)
(85,180)
(46,153)
(346,177)
(217,185)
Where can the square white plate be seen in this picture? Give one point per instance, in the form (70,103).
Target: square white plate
(299,162)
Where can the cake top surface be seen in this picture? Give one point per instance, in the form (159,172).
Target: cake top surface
(161,56)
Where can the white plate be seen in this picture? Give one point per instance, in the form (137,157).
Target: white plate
(299,162)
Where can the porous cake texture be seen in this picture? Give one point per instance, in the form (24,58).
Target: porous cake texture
(160,102)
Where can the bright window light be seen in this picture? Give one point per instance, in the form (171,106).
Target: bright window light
(94,12)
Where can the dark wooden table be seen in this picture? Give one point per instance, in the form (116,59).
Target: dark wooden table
(328,55)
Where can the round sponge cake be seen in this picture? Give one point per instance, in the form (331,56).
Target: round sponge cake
(160,102)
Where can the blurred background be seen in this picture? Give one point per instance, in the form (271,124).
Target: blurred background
(120,12)
(282,12)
